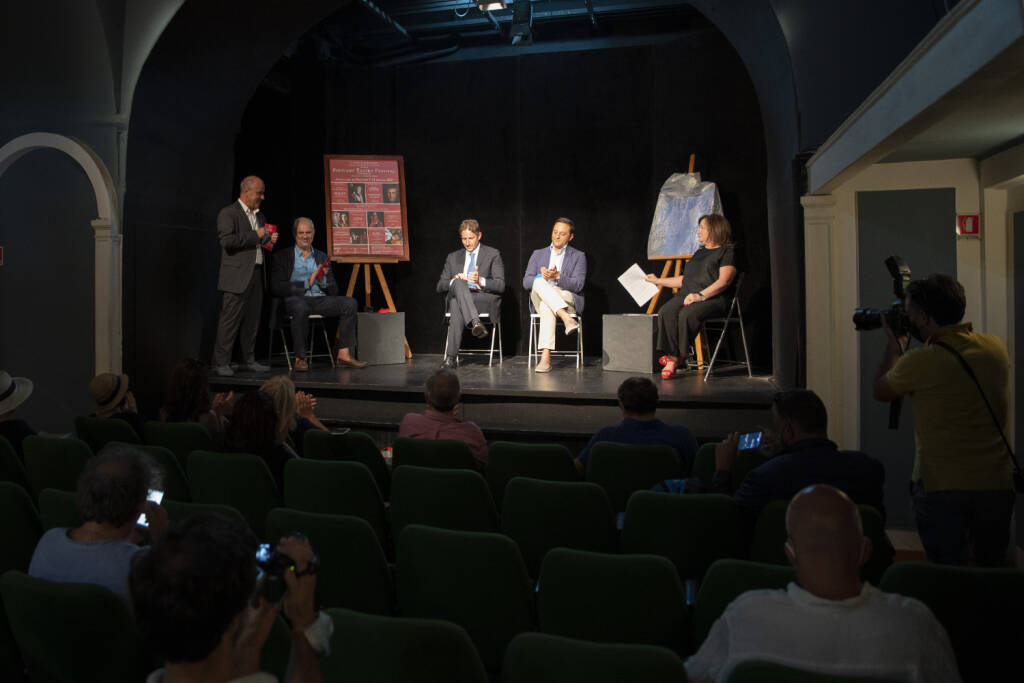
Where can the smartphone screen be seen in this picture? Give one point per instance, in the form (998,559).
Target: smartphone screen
(155,496)
(749,441)
(263,553)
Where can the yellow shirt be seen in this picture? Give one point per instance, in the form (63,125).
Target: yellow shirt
(958,446)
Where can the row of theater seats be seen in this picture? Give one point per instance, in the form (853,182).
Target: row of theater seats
(456,606)
(691,530)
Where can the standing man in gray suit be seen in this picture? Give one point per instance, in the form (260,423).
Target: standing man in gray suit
(474,278)
(241,232)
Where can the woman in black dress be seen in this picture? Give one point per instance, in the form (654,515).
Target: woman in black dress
(705,289)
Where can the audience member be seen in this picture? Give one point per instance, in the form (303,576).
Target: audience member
(802,455)
(962,483)
(294,410)
(440,419)
(13,392)
(198,605)
(828,621)
(111,495)
(638,400)
(114,399)
(254,429)
(188,399)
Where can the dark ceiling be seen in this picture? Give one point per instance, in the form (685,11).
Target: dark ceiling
(385,32)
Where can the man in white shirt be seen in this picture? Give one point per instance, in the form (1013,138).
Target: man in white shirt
(828,621)
(473,279)
(555,277)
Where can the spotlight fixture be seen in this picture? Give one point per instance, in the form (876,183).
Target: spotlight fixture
(522,21)
(491,5)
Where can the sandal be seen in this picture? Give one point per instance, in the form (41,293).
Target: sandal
(664,360)
(668,374)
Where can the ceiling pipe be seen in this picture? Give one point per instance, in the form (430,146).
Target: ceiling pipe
(376,9)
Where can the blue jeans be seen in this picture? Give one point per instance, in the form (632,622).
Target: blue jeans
(952,523)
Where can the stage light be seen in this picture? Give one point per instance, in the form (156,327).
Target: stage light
(493,5)
(522,20)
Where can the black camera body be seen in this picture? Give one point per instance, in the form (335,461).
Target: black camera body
(895,315)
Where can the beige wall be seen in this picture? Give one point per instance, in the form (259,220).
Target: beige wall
(830,230)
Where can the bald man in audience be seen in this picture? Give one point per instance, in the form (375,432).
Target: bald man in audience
(828,621)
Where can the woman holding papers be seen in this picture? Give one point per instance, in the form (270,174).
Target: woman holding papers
(705,288)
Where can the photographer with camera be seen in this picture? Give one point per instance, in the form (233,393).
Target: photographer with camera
(962,485)
(206,597)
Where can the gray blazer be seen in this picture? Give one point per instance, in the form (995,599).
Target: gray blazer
(239,243)
(491,268)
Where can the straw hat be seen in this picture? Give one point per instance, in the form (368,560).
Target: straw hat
(108,390)
(13,391)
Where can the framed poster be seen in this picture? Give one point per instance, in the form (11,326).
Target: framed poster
(365,197)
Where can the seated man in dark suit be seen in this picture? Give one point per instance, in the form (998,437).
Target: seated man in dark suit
(804,457)
(638,399)
(294,278)
(474,278)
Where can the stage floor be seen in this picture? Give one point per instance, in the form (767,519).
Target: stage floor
(509,399)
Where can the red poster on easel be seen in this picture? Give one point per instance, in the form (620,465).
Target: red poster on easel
(366,208)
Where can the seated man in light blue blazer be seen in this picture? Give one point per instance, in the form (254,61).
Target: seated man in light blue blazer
(555,278)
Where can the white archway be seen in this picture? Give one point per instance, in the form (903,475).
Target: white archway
(106,232)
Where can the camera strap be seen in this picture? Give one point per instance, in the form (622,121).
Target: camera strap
(963,362)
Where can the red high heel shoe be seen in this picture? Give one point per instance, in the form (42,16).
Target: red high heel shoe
(668,374)
(664,360)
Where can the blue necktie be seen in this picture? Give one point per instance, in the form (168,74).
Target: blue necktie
(471,267)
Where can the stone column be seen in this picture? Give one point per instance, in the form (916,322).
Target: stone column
(108,297)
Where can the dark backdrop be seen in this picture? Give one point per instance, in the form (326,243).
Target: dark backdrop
(516,142)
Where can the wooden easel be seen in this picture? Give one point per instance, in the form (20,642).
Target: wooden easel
(678,260)
(368,288)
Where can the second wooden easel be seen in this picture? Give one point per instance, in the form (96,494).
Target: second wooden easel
(368,288)
(677,261)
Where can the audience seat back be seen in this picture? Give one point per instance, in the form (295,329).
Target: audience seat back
(59,509)
(11,467)
(691,530)
(540,515)
(353,571)
(335,488)
(548,461)
(174,482)
(980,609)
(476,580)
(611,598)
(367,647)
(352,446)
(724,581)
(622,468)
(544,658)
(73,632)
(446,498)
(177,511)
(704,464)
(181,438)
(443,453)
(54,463)
(97,432)
(240,480)
(20,529)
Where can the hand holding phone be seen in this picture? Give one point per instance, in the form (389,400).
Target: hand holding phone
(153,496)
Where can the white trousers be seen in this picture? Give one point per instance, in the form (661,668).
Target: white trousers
(548,298)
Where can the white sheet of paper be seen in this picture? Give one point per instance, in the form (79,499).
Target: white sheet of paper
(635,282)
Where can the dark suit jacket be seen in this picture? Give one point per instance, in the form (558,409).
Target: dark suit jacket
(491,268)
(281,274)
(239,243)
(573,274)
(811,461)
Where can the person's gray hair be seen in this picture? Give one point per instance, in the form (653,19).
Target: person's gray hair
(114,484)
(248,182)
(299,221)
